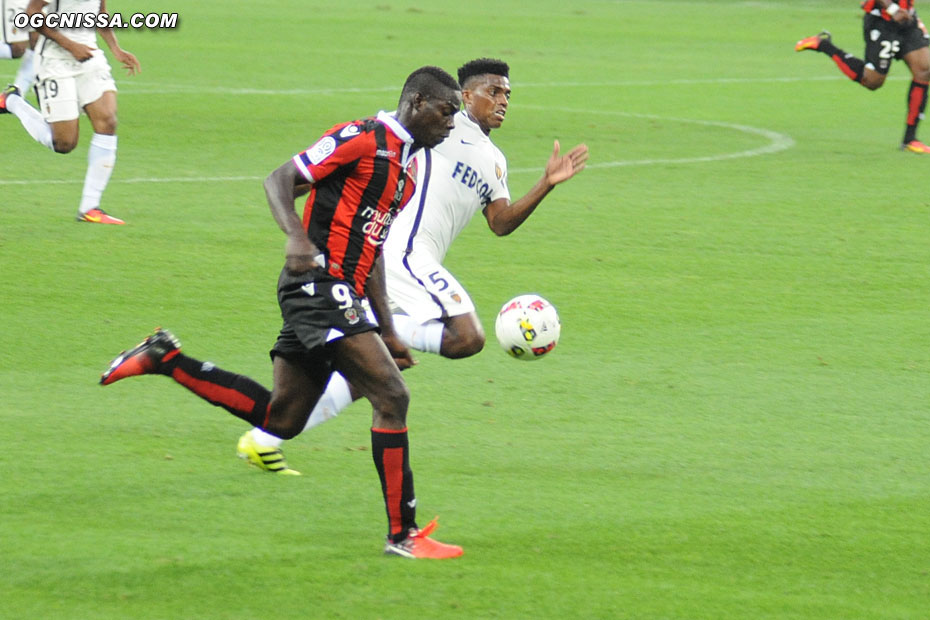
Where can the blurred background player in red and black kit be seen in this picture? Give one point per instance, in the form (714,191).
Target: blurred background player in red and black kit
(892,31)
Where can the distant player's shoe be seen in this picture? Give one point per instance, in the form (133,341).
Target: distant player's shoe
(98,216)
(145,359)
(813,42)
(418,546)
(915,146)
(264,457)
(6,92)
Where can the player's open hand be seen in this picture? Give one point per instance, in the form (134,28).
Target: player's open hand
(129,61)
(563,167)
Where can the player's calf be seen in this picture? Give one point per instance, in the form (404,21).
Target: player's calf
(286,417)
(297,388)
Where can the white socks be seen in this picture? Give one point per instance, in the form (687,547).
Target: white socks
(426,337)
(101,157)
(31,119)
(26,75)
(335,398)
(264,439)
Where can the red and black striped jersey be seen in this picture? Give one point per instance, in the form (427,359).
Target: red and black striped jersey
(360,176)
(875,7)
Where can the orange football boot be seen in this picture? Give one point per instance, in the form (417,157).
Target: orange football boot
(812,42)
(418,545)
(98,216)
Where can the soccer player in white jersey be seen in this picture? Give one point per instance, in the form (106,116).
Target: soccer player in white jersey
(16,43)
(464,174)
(73,75)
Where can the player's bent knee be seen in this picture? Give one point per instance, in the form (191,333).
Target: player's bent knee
(106,126)
(399,396)
(873,81)
(63,146)
(392,400)
(474,343)
(463,345)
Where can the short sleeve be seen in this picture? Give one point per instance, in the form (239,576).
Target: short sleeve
(341,145)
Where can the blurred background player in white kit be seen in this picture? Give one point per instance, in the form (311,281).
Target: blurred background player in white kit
(466,172)
(74,75)
(17,43)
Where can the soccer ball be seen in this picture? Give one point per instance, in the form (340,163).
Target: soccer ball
(527,327)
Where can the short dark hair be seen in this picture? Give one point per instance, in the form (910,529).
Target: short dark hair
(429,81)
(482,66)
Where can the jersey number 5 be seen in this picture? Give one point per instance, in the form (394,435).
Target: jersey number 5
(435,278)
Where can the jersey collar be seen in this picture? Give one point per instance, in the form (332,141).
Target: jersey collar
(400,131)
(462,118)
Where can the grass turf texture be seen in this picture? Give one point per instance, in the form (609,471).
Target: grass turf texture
(734,424)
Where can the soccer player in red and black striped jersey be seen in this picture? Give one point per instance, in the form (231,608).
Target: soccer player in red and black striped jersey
(359,177)
(892,31)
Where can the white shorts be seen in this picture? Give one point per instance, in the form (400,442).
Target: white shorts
(65,86)
(423,289)
(11,8)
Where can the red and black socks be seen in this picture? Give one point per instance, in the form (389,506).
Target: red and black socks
(238,394)
(916,102)
(391,453)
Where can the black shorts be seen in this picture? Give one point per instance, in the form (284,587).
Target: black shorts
(886,41)
(317,310)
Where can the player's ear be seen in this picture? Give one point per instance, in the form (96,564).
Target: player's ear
(419,100)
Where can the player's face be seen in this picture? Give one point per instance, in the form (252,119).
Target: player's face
(435,118)
(486,100)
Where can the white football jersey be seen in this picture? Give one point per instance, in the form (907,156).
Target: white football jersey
(87,36)
(461,175)
(10,33)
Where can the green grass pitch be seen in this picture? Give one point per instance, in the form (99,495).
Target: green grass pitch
(735,423)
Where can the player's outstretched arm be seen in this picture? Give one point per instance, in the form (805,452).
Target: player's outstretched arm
(504,216)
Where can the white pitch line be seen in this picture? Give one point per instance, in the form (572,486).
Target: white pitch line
(148,88)
(776,142)
(134,180)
